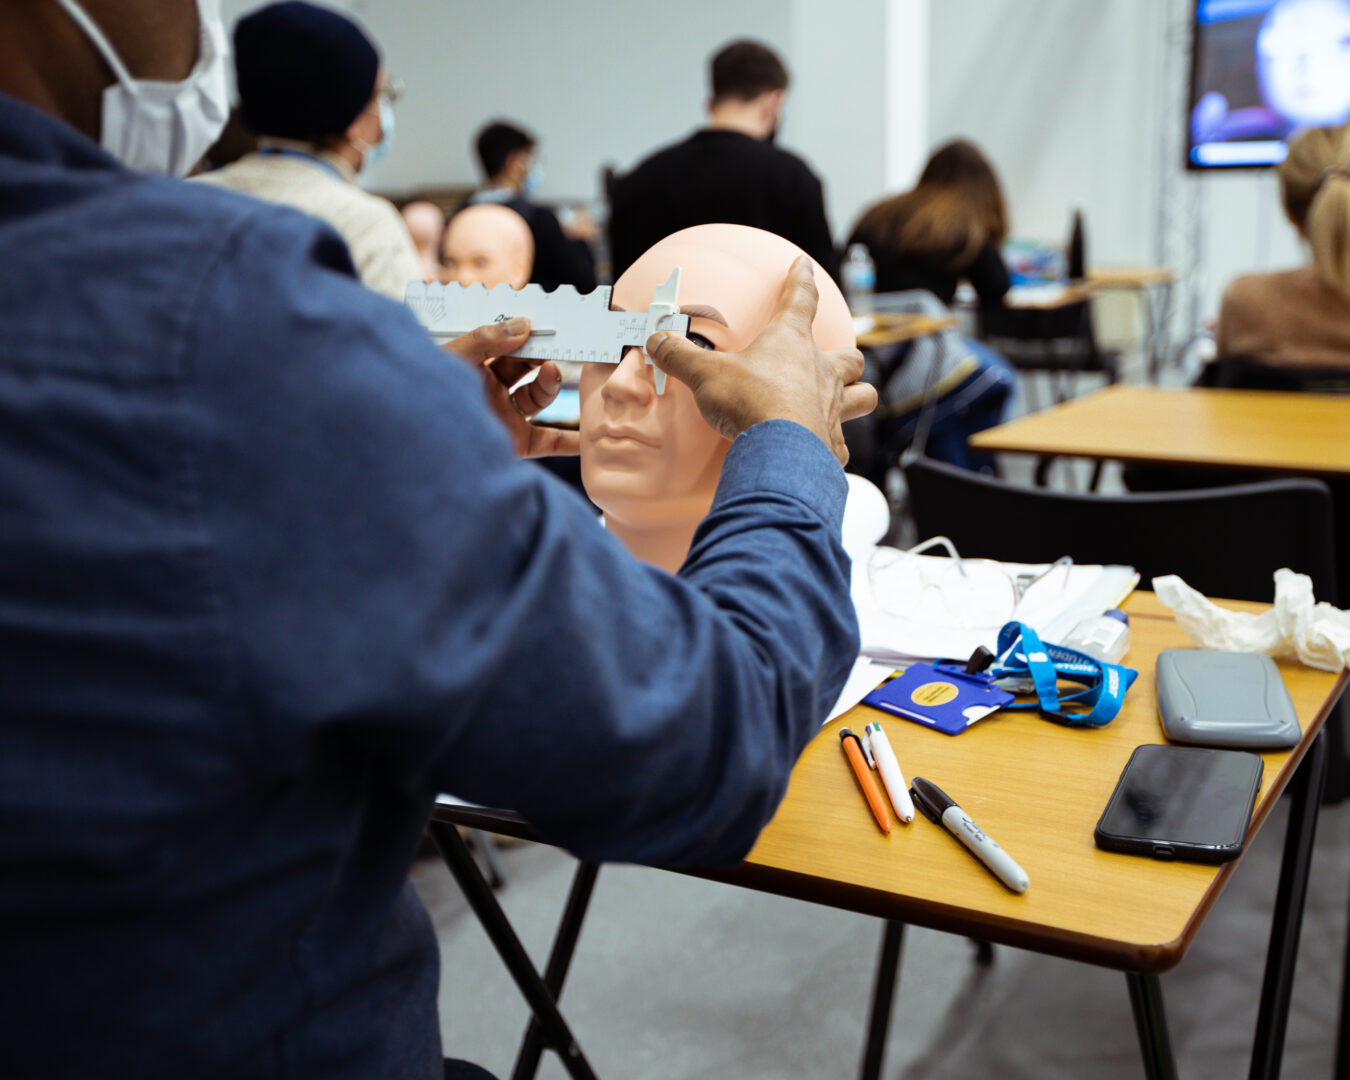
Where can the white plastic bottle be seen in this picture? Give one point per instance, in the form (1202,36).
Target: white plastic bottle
(860,279)
(1106,638)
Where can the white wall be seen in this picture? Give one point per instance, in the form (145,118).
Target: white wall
(1069,99)
(602,82)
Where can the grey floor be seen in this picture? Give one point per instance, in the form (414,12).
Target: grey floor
(680,979)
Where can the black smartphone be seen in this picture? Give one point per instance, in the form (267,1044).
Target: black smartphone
(1182,802)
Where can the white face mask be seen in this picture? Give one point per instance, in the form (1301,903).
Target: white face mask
(164,126)
(377,153)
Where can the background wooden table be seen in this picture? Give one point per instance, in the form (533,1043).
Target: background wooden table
(892,327)
(1267,430)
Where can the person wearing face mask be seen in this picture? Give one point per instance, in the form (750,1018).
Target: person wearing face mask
(273,575)
(727,172)
(312,88)
(510,160)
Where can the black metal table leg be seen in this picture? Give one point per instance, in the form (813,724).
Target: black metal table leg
(1282,954)
(517,960)
(888,967)
(559,959)
(1150,1021)
(487,848)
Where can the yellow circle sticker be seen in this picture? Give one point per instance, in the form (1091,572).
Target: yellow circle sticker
(934,693)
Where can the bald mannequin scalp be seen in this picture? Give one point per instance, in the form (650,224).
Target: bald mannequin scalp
(488,243)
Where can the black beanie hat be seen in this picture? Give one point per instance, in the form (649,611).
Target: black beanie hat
(304,71)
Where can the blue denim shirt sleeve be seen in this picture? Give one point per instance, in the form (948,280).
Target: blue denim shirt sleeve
(389,574)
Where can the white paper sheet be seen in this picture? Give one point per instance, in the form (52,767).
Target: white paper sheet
(1053,612)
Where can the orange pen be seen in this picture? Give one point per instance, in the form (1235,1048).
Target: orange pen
(854,752)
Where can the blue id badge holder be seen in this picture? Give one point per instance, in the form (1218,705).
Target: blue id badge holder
(946,695)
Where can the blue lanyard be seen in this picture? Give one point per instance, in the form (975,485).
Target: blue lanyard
(1104,684)
(286,151)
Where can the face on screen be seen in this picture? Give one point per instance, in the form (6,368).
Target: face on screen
(649,458)
(1303,61)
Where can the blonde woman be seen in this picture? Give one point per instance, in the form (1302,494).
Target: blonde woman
(1300,319)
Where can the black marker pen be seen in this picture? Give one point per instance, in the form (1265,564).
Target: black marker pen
(940,810)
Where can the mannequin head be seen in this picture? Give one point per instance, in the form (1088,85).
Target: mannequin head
(488,243)
(426,223)
(649,461)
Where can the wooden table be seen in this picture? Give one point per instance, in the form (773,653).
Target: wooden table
(891,328)
(1038,789)
(1048,297)
(1266,430)
(1130,277)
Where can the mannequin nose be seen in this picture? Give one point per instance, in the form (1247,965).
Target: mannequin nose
(631,379)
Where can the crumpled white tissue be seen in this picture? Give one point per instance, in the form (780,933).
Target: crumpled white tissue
(1294,629)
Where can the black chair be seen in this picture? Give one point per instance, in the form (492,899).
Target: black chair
(1226,542)
(1245,373)
(1058,340)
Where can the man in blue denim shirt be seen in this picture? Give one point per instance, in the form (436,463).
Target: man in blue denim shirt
(271,577)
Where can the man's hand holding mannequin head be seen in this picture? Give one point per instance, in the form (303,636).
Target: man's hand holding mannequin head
(652,462)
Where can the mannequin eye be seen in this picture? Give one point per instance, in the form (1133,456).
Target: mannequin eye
(702,342)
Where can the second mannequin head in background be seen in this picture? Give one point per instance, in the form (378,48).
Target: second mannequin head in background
(488,243)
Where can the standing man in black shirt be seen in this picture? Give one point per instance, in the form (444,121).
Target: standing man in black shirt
(729,171)
(511,165)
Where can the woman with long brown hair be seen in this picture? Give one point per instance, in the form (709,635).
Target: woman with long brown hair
(950,226)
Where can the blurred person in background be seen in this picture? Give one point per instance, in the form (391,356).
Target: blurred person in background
(729,172)
(509,156)
(1300,319)
(949,227)
(426,225)
(312,88)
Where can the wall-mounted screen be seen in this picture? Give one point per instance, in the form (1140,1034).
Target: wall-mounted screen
(1260,71)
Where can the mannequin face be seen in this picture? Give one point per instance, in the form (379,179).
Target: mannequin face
(650,461)
(488,243)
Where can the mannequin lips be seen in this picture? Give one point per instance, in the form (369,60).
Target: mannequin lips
(612,436)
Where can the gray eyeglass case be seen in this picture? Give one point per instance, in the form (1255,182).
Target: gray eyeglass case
(1234,699)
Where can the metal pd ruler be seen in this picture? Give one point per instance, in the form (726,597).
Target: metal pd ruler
(564,324)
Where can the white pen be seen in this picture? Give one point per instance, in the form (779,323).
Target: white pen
(891,775)
(938,808)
